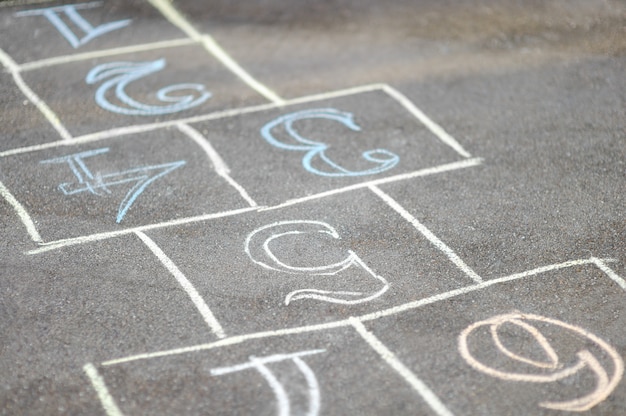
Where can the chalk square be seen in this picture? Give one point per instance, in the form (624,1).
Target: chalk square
(325,144)
(158,85)
(110,185)
(428,339)
(22,124)
(338,373)
(345,255)
(27,35)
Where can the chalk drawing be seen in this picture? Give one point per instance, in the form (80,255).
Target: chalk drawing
(120,74)
(550,369)
(257,247)
(71,13)
(261,365)
(316,151)
(99,183)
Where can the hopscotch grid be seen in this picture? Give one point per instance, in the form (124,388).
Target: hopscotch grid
(114,133)
(142,128)
(440,245)
(220,167)
(185,284)
(238,339)
(357,323)
(57,244)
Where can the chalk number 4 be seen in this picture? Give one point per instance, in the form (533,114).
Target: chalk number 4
(99,183)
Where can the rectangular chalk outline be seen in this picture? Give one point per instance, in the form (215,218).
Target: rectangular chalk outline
(404,102)
(356,323)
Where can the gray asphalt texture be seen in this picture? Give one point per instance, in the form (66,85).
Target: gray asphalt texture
(535,89)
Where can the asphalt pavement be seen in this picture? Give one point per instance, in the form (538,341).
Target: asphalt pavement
(294,207)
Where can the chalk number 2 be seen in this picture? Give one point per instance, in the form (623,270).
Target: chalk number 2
(316,151)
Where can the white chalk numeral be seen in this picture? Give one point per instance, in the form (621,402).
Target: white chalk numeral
(261,364)
(257,246)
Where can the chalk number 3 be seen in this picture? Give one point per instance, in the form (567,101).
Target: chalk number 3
(316,151)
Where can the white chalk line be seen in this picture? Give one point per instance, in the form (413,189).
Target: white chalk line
(8,62)
(13,68)
(431,125)
(467,289)
(139,128)
(53,245)
(216,50)
(142,128)
(609,272)
(233,340)
(177,19)
(58,60)
(221,168)
(187,286)
(21,213)
(347,322)
(335,94)
(443,247)
(390,358)
(107,401)
(448,167)
(262,360)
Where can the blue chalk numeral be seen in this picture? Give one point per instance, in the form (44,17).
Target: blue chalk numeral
(99,184)
(119,74)
(383,159)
